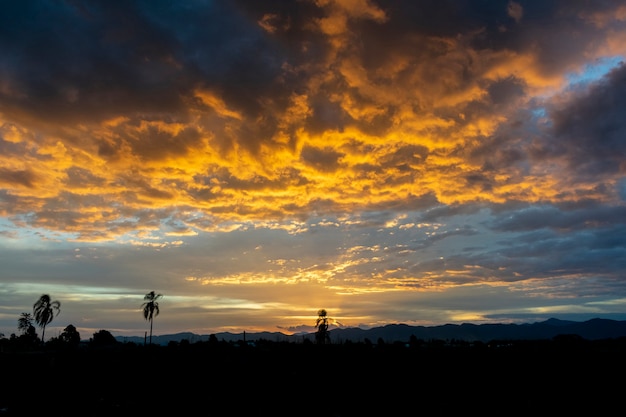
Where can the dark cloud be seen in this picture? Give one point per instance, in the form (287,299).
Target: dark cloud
(96,60)
(260,156)
(594,253)
(479,181)
(327,159)
(442,18)
(26,178)
(80,177)
(556,31)
(326,114)
(621,186)
(441,212)
(429,240)
(505,90)
(76,64)
(591,127)
(155,143)
(559,218)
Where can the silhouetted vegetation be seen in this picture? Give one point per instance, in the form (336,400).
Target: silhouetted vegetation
(264,377)
(151,308)
(102,338)
(25,323)
(104,377)
(321,324)
(70,336)
(44,311)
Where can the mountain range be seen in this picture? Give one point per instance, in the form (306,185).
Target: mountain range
(593,329)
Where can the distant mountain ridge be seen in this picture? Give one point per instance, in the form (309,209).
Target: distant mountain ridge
(593,329)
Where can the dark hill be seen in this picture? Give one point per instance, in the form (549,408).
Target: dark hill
(541,368)
(593,329)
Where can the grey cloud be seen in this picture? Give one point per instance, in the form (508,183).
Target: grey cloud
(326,114)
(9,234)
(546,255)
(98,59)
(405,157)
(95,60)
(223,176)
(591,127)
(479,180)
(79,177)
(70,65)
(465,230)
(554,217)
(621,189)
(557,24)
(440,212)
(503,91)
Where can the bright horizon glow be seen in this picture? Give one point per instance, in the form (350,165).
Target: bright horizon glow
(254,162)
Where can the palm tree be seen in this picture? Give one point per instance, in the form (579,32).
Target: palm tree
(151,308)
(322,336)
(44,311)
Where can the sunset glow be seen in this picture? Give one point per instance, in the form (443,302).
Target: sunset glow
(391,162)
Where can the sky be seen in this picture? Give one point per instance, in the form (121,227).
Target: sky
(417,162)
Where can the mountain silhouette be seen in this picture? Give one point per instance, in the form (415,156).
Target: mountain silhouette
(594,329)
(549,367)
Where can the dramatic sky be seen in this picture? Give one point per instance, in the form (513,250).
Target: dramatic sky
(420,162)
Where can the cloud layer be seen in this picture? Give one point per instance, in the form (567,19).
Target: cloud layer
(397,161)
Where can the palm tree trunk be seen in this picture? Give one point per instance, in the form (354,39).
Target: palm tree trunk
(151,331)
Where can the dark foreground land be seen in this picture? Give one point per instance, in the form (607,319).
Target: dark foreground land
(551,377)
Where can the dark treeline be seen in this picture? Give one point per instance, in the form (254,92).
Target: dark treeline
(65,376)
(215,378)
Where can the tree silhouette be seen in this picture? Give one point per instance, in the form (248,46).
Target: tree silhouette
(70,335)
(28,334)
(24,323)
(102,338)
(151,308)
(321,336)
(44,311)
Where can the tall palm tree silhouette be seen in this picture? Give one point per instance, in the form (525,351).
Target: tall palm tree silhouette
(44,311)
(151,308)
(321,336)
